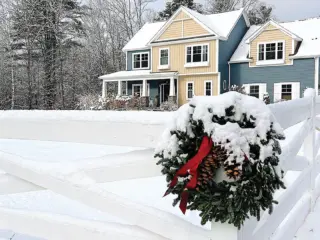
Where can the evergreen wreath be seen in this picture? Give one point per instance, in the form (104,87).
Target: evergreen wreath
(221,157)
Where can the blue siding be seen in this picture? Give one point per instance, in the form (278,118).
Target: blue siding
(227,48)
(129,58)
(302,71)
(154,87)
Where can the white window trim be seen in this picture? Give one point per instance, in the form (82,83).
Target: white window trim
(197,64)
(261,87)
(140,53)
(271,62)
(141,86)
(164,66)
(192,82)
(205,83)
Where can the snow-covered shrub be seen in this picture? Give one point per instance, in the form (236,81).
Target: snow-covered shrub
(239,89)
(266,98)
(309,92)
(168,106)
(90,102)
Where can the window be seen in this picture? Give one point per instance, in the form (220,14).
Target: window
(124,88)
(208,88)
(140,60)
(254,91)
(137,90)
(286,92)
(197,54)
(164,57)
(190,90)
(271,51)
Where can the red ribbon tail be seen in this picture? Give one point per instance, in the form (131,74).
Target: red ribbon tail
(167,192)
(184,201)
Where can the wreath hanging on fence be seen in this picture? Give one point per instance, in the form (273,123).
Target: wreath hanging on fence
(221,156)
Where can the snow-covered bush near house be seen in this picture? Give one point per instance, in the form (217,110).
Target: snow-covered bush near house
(266,98)
(309,92)
(90,102)
(168,106)
(239,89)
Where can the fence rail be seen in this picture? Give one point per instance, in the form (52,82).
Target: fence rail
(302,176)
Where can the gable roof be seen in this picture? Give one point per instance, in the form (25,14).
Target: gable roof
(308,30)
(279,26)
(222,23)
(141,39)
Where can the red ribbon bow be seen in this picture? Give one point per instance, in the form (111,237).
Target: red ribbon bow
(191,168)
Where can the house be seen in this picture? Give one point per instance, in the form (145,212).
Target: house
(279,58)
(185,56)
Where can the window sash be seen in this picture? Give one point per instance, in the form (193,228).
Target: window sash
(164,57)
(197,53)
(286,92)
(254,91)
(190,90)
(208,88)
(140,60)
(271,51)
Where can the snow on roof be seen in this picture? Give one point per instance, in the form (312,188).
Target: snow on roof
(308,30)
(221,23)
(131,75)
(141,39)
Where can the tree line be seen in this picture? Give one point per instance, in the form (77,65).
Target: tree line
(53,51)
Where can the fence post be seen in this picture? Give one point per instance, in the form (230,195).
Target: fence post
(309,150)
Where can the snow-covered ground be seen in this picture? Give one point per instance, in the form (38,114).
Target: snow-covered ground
(62,159)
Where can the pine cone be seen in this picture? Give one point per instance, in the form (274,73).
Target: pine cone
(232,170)
(210,164)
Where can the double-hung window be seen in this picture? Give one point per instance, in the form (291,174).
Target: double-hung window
(190,90)
(141,60)
(270,53)
(254,91)
(286,92)
(208,88)
(197,55)
(164,58)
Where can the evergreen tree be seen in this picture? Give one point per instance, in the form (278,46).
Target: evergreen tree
(173,6)
(51,26)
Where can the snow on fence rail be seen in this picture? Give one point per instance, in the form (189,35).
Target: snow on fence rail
(302,171)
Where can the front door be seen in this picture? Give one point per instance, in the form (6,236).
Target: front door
(164,92)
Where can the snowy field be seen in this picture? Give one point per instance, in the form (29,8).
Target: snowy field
(67,161)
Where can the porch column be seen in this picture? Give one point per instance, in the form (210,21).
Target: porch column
(172,88)
(119,88)
(103,89)
(144,88)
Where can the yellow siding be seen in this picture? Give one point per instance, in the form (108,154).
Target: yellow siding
(173,31)
(270,27)
(192,28)
(198,86)
(269,36)
(178,58)
(182,15)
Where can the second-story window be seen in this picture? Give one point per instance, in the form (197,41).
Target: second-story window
(271,51)
(197,54)
(141,60)
(164,57)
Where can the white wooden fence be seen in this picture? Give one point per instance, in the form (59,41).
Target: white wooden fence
(295,203)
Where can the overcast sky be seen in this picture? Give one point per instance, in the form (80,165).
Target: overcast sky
(285,10)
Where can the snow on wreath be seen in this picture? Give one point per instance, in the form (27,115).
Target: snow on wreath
(220,157)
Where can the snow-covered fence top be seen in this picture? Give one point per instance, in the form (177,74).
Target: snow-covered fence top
(143,117)
(134,128)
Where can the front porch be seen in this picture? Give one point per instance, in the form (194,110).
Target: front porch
(152,89)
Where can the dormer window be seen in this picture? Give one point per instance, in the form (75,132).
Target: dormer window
(270,53)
